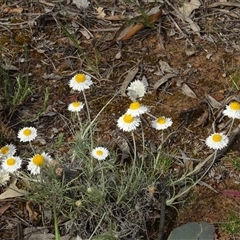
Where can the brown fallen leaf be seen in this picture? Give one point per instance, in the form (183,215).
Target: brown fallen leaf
(7,132)
(115,18)
(100,12)
(3,209)
(163,80)
(12,191)
(12,10)
(140,25)
(186,90)
(133,26)
(33,215)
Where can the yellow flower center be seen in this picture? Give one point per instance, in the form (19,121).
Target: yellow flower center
(11,161)
(217,137)
(128,118)
(135,105)
(27,132)
(80,78)
(161,120)
(99,152)
(38,160)
(76,104)
(4,150)
(235,106)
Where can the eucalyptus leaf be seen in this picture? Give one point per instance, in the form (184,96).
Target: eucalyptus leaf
(193,231)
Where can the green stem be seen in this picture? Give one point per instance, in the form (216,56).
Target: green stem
(170,201)
(133,169)
(91,123)
(31,147)
(56,230)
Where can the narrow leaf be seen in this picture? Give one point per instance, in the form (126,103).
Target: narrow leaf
(231,193)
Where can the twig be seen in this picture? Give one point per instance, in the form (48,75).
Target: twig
(19,24)
(162,214)
(180,15)
(225,4)
(208,186)
(105,29)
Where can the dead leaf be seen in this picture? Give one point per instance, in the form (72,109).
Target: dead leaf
(41,236)
(203,119)
(115,18)
(85,34)
(193,26)
(186,90)
(212,101)
(189,166)
(130,76)
(189,7)
(9,67)
(47,3)
(165,67)
(51,76)
(145,81)
(33,215)
(140,25)
(3,209)
(163,80)
(132,31)
(7,132)
(81,3)
(134,25)
(100,12)
(190,51)
(118,55)
(12,191)
(123,145)
(231,193)
(12,10)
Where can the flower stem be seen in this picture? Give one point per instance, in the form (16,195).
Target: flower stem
(230,128)
(31,147)
(57,235)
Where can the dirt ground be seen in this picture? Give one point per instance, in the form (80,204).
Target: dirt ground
(198,65)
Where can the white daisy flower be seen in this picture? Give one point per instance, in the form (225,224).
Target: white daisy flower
(80,82)
(75,106)
(162,123)
(137,89)
(128,123)
(11,164)
(27,134)
(217,141)
(4,177)
(7,150)
(136,109)
(100,153)
(38,161)
(232,110)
